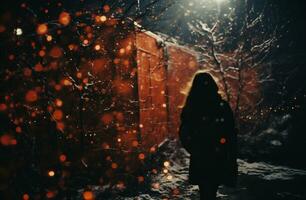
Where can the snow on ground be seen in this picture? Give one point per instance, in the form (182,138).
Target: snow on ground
(256,181)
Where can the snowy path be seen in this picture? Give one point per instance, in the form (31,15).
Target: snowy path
(256,181)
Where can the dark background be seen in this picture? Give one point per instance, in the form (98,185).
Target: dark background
(288,61)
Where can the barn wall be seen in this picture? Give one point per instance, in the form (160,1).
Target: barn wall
(151,90)
(182,65)
(125,91)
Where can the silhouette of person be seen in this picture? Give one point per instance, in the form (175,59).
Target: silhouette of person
(208,133)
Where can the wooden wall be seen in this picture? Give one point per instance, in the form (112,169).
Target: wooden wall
(163,74)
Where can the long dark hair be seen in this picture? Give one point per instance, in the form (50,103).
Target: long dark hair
(204,91)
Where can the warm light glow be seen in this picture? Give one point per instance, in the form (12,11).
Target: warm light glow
(122,51)
(49,38)
(222,140)
(25,197)
(58,102)
(140,179)
(152,149)
(56,52)
(105,146)
(85,42)
(6,140)
(134,143)
(88,195)
(51,173)
(41,53)
(97,47)
(18,129)
(67,82)
(103,18)
(106,8)
(31,96)
(120,185)
(166,163)
(42,29)
(57,114)
(79,75)
(107,118)
(63,158)
(141,156)
(114,165)
(71,47)
(50,195)
(64,18)
(38,67)
(60,126)
(3,107)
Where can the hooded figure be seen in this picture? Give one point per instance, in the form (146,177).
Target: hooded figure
(208,133)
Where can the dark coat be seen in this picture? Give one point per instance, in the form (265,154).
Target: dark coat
(208,133)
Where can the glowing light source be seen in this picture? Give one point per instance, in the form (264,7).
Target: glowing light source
(141,156)
(103,18)
(79,75)
(3,107)
(106,8)
(107,118)
(134,143)
(18,31)
(97,47)
(62,157)
(64,18)
(6,140)
(114,165)
(57,114)
(166,163)
(42,29)
(85,42)
(88,195)
(25,197)
(58,102)
(51,173)
(56,52)
(50,195)
(152,149)
(31,96)
(18,129)
(222,140)
(140,179)
(66,82)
